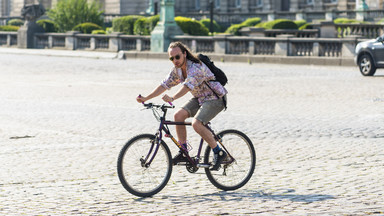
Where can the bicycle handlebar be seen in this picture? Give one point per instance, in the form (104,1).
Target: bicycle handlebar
(151,105)
(170,103)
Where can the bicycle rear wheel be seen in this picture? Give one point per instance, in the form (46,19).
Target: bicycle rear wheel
(235,174)
(138,179)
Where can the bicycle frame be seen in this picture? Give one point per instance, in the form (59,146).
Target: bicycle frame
(163,127)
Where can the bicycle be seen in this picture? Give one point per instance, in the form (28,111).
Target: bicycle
(145,164)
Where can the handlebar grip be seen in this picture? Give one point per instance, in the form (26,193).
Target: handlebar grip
(140,97)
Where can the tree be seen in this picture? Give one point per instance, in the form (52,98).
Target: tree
(69,13)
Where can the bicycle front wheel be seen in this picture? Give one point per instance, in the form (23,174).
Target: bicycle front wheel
(134,174)
(235,172)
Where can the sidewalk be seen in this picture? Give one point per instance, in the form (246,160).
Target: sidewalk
(60,53)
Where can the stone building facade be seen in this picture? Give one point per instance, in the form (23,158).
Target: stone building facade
(123,7)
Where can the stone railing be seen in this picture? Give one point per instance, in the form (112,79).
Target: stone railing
(364,30)
(285,45)
(77,41)
(8,39)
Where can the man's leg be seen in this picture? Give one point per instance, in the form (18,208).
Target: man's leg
(181,130)
(204,133)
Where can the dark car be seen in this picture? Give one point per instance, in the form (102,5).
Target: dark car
(369,55)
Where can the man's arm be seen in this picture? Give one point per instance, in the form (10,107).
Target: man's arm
(182,91)
(156,92)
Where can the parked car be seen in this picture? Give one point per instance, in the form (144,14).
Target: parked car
(369,55)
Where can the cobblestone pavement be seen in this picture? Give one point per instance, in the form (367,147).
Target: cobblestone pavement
(318,133)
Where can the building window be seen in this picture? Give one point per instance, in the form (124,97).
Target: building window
(259,3)
(197,4)
(217,3)
(334,1)
(238,3)
(309,2)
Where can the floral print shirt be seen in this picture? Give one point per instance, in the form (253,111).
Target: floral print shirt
(197,75)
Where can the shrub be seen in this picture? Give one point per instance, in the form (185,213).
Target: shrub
(300,23)
(207,24)
(87,28)
(9,28)
(235,29)
(145,25)
(191,27)
(48,25)
(125,24)
(153,20)
(16,22)
(69,13)
(98,32)
(252,21)
(345,21)
(280,24)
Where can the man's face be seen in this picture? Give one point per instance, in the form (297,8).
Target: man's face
(177,57)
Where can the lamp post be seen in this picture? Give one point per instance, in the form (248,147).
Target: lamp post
(211,16)
(166,28)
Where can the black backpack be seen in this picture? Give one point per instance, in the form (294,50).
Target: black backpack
(219,74)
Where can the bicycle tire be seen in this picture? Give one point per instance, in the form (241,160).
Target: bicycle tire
(239,172)
(140,180)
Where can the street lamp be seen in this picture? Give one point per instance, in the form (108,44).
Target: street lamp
(211,16)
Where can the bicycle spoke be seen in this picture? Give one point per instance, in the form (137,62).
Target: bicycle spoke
(237,173)
(138,179)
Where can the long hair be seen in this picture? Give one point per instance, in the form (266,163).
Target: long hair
(185,49)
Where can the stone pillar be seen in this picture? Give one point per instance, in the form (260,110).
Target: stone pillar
(328,30)
(348,47)
(114,42)
(166,28)
(220,44)
(282,46)
(26,34)
(70,40)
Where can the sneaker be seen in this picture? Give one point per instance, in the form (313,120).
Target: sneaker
(179,158)
(218,159)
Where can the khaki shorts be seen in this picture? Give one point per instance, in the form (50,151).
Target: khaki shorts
(206,112)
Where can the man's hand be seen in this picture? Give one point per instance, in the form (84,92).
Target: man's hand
(167,98)
(140,99)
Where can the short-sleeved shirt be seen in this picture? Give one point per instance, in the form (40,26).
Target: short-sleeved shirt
(197,77)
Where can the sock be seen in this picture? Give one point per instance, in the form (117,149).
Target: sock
(185,146)
(216,149)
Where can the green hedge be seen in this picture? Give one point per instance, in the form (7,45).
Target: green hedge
(125,24)
(252,21)
(207,24)
(98,32)
(345,21)
(16,22)
(9,28)
(234,29)
(280,24)
(48,25)
(145,25)
(87,28)
(191,26)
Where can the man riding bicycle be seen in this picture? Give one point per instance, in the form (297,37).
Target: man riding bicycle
(206,103)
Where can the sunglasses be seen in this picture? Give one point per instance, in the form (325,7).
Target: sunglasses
(177,57)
